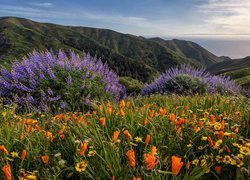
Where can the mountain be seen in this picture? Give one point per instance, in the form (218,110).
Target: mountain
(237,69)
(134,56)
(191,50)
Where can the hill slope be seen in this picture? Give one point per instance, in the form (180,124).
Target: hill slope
(237,69)
(128,55)
(191,50)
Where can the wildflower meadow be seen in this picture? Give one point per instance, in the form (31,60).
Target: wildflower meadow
(163,135)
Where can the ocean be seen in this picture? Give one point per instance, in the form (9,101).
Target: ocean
(235,48)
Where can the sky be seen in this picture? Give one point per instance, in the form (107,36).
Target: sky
(164,18)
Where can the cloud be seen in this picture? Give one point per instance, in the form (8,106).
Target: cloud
(45,4)
(228,16)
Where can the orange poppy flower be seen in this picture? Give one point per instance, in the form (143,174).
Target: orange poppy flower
(79,119)
(145,121)
(236,130)
(83,148)
(172,117)
(7,172)
(109,110)
(153,150)
(176,165)
(151,113)
(147,139)
(212,118)
(150,161)
(122,104)
(102,121)
(220,134)
(228,149)
(218,169)
(210,141)
(4,150)
(45,159)
(21,136)
(222,125)
(49,135)
(127,134)
(180,121)
(23,155)
(136,178)
(162,111)
(115,135)
(131,158)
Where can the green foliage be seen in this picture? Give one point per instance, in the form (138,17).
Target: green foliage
(186,84)
(133,86)
(72,93)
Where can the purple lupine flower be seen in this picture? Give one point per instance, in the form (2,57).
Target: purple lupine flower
(214,84)
(24,78)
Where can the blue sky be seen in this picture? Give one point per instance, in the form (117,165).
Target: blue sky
(141,17)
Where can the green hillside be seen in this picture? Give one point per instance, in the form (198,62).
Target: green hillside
(129,55)
(238,69)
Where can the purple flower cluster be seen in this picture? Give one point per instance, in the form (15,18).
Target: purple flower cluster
(213,83)
(20,84)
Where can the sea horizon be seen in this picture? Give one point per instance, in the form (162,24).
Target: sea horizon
(236,47)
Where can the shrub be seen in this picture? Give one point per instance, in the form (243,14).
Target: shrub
(44,82)
(187,80)
(133,86)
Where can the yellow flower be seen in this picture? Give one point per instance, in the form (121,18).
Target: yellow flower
(233,162)
(81,166)
(227,134)
(195,162)
(245,150)
(219,158)
(218,143)
(138,139)
(204,138)
(227,159)
(91,153)
(4,113)
(217,126)
(14,154)
(203,162)
(189,145)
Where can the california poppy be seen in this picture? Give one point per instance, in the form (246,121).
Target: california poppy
(162,111)
(220,134)
(150,161)
(23,155)
(83,148)
(131,158)
(127,134)
(45,159)
(122,104)
(102,121)
(180,121)
(172,117)
(210,141)
(115,135)
(4,150)
(7,172)
(218,169)
(176,164)
(21,136)
(147,139)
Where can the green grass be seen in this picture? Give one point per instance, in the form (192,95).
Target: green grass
(196,118)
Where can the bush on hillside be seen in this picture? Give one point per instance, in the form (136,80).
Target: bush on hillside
(44,82)
(187,80)
(133,86)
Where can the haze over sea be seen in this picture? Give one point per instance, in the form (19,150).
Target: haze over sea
(234,47)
